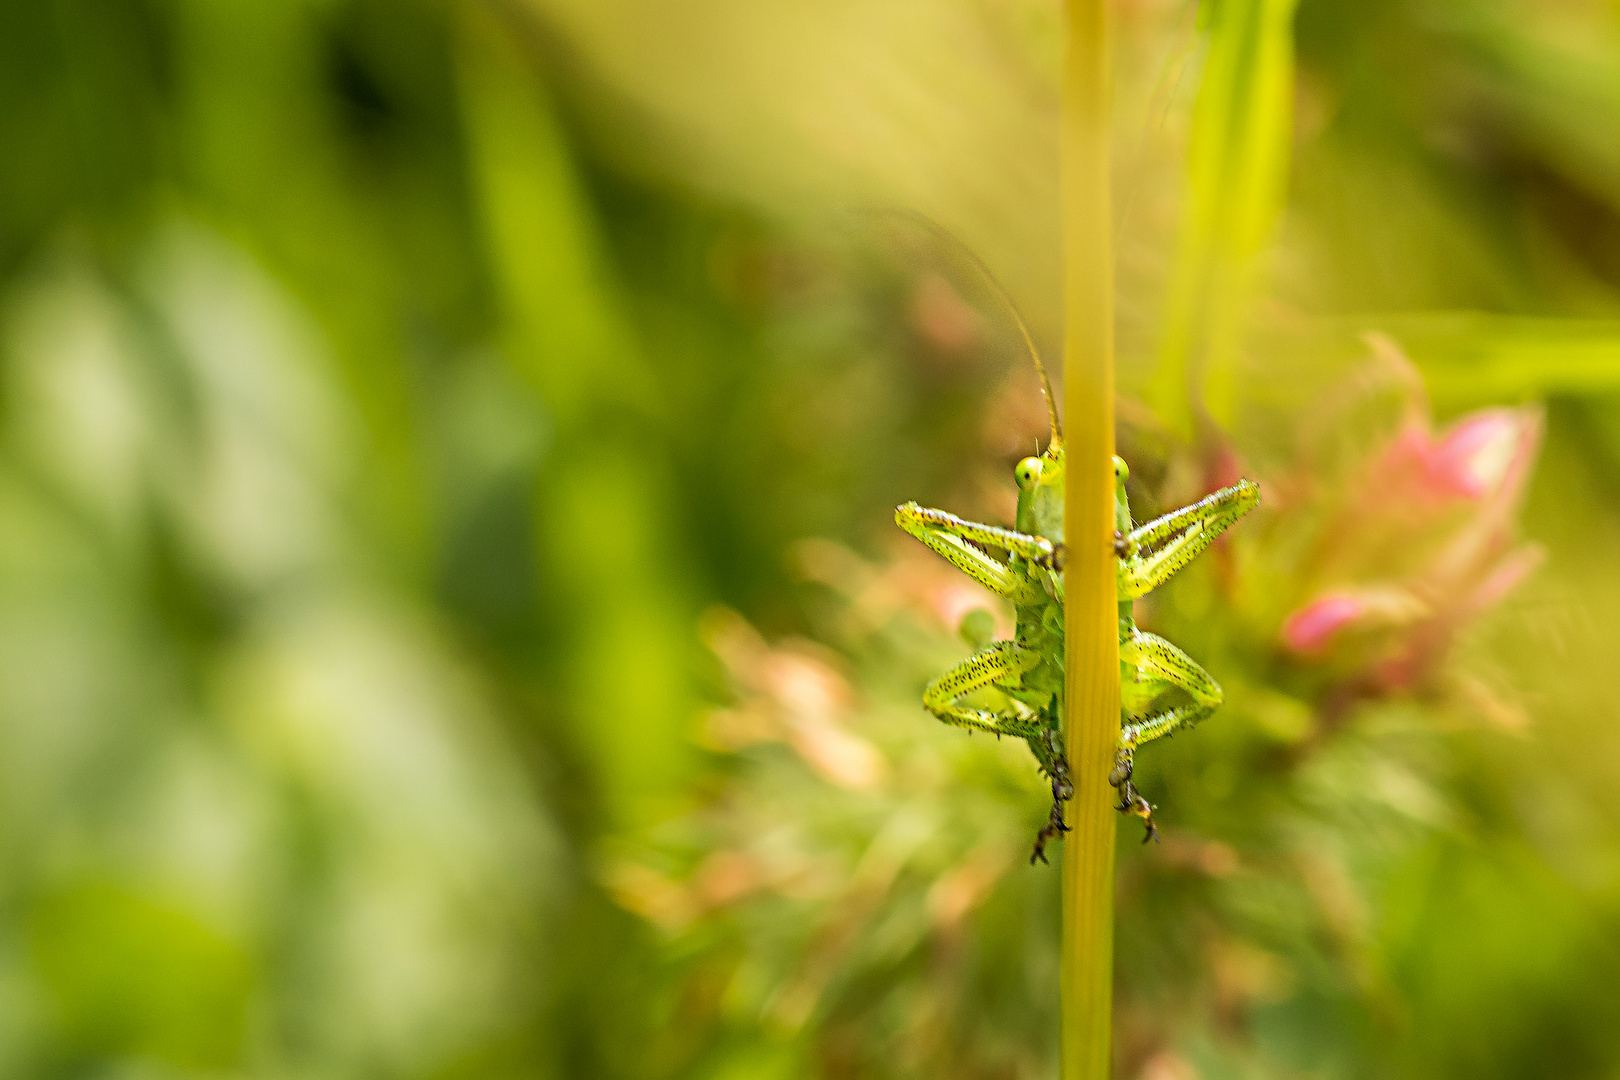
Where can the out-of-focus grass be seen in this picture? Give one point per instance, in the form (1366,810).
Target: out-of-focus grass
(449,622)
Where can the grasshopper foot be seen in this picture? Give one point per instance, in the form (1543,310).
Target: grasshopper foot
(1130,800)
(1144,810)
(1062,791)
(1049,831)
(1053,828)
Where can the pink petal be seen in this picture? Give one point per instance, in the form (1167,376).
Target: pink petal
(1476,455)
(1410,450)
(1405,472)
(1309,629)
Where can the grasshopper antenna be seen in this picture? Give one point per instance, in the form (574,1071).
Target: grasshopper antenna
(1029,343)
(996,287)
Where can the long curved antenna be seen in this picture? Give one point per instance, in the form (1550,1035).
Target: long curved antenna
(1012,309)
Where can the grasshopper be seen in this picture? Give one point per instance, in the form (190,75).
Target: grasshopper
(1028,670)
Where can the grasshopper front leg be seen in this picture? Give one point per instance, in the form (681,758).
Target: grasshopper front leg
(1151,554)
(948,535)
(1151,666)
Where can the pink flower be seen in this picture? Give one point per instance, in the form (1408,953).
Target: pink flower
(1309,629)
(1421,539)
(1480,455)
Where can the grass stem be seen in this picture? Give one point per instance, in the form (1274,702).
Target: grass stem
(1092,664)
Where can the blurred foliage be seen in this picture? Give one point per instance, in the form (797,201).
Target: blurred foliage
(451,623)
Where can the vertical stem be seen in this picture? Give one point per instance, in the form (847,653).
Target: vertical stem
(1092,664)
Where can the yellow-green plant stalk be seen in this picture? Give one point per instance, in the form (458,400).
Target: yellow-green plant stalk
(1091,606)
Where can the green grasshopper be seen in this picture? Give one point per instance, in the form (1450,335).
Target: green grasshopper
(1028,670)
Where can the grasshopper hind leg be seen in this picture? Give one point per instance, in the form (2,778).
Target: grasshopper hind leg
(1000,664)
(1056,766)
(1156,666)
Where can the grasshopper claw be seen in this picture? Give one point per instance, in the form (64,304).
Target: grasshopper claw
(1049,831)
(1144,810)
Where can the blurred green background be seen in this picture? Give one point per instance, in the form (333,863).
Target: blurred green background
(451,620)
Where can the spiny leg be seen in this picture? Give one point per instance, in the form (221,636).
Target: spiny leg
(1153,666)
(949,535)
(1034,548)
(1215,511)
(997,662)
(1151,554)
(1004,661)
(1056,766)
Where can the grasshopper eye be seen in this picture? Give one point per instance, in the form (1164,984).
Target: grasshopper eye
(1027,472)
(1122,471)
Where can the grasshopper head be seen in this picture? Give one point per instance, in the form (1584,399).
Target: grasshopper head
(1040,494)
(1122,506)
